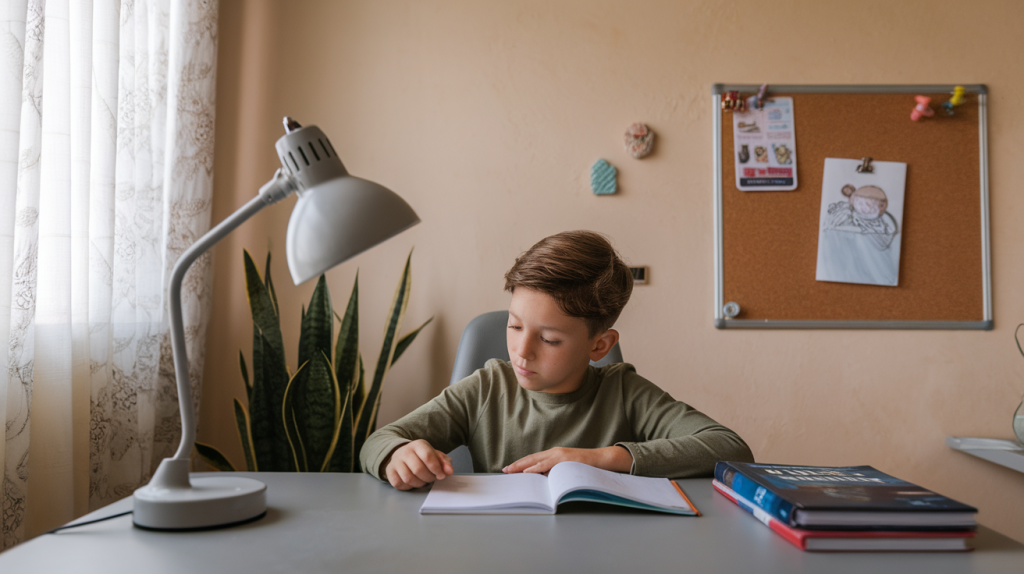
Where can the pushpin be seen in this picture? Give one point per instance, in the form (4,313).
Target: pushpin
(957,100)
(759,102)
(958,96)
(731,102)
(922,109)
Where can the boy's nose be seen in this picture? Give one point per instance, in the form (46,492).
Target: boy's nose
(525,349)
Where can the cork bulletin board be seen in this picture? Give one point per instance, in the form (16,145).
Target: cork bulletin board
(766,241)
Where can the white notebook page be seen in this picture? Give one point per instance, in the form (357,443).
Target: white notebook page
(568,476)
(484,491)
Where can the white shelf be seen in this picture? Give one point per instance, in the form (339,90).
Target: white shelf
(1007,453)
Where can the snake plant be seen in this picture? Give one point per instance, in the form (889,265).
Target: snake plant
(316,418)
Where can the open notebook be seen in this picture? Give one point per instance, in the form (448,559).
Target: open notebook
(539,494)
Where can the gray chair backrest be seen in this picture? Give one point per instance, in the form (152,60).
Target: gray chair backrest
(484,339)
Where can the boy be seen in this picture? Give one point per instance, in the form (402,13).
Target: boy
(547,404)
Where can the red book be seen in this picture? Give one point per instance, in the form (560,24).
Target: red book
(854,540)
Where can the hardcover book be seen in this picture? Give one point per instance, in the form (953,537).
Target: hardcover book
(844,497)
(854,540)
(524,493)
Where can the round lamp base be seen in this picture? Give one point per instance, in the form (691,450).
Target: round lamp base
(210,502)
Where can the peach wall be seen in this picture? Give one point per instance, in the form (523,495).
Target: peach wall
(486,117)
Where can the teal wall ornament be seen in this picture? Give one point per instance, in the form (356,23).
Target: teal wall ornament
(602,178)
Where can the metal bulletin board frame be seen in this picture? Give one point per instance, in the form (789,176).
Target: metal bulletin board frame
(722,321)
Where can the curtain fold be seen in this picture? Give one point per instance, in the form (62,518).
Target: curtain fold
(106,176)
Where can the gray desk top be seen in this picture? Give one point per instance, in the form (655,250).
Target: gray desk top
(353,523)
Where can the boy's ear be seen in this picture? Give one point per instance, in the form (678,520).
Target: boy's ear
(603,343)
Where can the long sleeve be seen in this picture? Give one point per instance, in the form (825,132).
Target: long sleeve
(672,438)
(444,422)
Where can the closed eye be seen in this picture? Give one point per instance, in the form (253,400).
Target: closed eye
(543,340)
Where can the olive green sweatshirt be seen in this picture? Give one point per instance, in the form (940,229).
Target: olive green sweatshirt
(501,422)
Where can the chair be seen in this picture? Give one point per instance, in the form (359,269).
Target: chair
(484,339)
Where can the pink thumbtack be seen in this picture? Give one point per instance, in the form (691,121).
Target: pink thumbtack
(922,109)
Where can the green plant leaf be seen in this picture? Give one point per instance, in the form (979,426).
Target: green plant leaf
(270,379)
(407,340)
(300,452)
(270,375)
(288,419)
(269,283)
(358,395)
(316,404)
(340,448)
(392,326)
(213,456)
(261,305)
(343,457)
(259,423)
(260,407)
(245,436)
(317,327)
(346,368)
(245,375)
(317,408)
(346,351)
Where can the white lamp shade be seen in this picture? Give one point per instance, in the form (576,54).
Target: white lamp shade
(339,219)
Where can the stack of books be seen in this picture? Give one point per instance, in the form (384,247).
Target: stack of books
(846,508)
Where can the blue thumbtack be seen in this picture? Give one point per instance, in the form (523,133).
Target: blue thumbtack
(602,178)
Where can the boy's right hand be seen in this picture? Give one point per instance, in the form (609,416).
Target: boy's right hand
(415,464)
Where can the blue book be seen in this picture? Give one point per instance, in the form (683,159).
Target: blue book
(843,498)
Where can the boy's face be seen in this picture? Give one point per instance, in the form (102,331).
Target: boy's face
(549,350)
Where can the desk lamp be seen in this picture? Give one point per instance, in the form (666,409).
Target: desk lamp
(336,217)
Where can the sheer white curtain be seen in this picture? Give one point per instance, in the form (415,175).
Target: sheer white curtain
(106,163)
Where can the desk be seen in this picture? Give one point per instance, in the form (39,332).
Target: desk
(353,523)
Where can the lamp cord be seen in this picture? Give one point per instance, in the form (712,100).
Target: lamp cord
(90,522)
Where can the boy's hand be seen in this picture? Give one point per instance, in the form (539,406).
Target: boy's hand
(415,464)
(614,458)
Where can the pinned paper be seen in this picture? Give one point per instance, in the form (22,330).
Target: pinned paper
(861,222)
(765,147)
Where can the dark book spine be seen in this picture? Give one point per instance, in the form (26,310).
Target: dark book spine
(755,493)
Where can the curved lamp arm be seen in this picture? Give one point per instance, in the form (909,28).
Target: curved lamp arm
(281,186)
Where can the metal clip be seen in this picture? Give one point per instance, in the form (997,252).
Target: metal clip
(865,166)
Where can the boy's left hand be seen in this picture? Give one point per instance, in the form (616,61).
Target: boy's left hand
(614,458)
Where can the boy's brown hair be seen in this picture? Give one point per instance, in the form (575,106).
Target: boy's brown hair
(581,271)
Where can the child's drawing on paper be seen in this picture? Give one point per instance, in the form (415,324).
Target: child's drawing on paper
(861,219)
(864,213)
